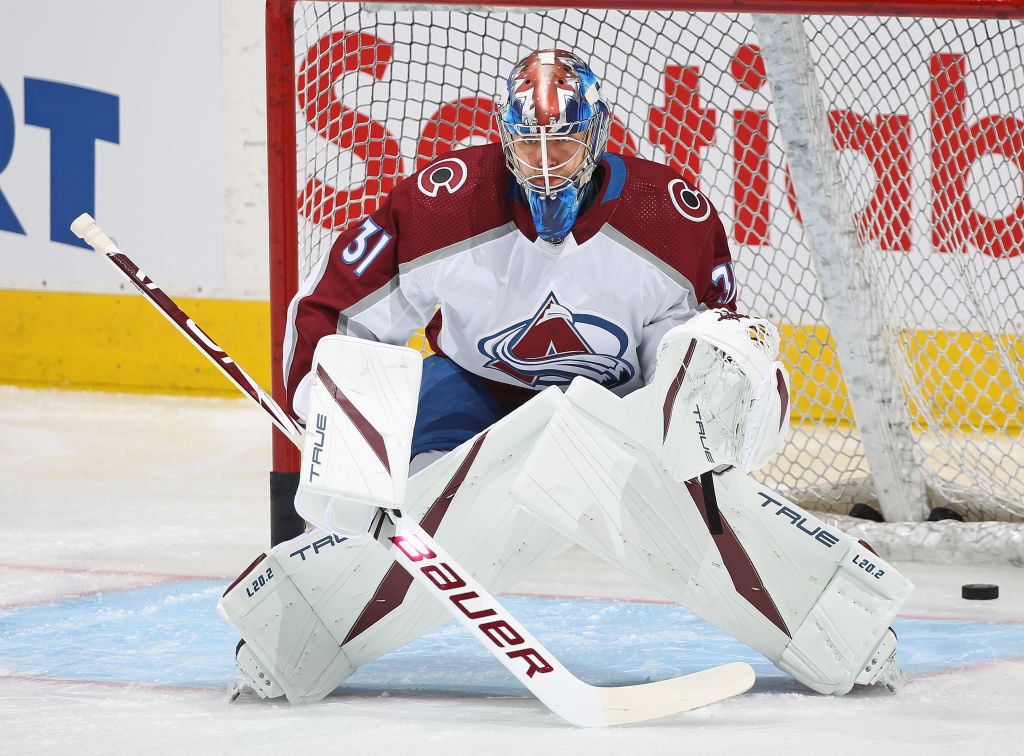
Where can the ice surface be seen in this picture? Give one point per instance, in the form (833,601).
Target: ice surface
(122,518)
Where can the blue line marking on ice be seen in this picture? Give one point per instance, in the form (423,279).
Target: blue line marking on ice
(171,634)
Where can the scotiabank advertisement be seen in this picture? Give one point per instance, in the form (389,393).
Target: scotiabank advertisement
(926,114)
(117,110)
(112,108)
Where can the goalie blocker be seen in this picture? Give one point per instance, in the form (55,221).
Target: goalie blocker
(355,451)
(619,477)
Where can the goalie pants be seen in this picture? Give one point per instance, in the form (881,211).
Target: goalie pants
(454,405)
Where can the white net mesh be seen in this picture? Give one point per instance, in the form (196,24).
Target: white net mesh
(929,119)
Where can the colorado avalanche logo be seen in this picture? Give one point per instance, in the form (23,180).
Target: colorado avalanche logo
(448,174)
(555,346)
(688,201)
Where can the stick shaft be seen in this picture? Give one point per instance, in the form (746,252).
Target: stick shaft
(85,227)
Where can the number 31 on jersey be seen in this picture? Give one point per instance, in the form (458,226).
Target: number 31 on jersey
(360,250)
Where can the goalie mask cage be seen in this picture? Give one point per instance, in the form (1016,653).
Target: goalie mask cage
(868,169)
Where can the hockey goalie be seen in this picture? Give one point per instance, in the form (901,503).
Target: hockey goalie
(591,384)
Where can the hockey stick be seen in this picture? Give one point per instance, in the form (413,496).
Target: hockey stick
(430,565)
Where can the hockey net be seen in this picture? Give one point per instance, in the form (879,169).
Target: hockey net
(887,238)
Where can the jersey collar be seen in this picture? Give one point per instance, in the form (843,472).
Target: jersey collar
(612,177)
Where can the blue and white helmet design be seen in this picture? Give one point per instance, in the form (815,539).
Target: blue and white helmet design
(554,129)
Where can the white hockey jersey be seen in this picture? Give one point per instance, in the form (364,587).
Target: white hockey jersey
(648,253)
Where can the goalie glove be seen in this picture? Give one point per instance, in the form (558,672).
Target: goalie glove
(355,453)
(726,395)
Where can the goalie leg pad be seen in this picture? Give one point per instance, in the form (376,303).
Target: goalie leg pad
(289,649)
(836,640)
(253,675)
(845,638)
(335,603)
(773,576)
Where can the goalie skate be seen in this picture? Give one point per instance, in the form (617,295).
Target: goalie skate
(882,668)
(252,675)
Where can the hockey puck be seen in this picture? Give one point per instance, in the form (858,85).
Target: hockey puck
(978,591)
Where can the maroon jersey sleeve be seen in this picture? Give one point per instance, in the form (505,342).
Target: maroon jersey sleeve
(721,283)
(358,288)
(361,260)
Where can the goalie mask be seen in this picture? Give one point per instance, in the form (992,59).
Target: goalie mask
(554,130)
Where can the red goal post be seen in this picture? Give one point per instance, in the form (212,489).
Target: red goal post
(867,159)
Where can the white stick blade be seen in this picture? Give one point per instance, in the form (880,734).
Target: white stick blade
(638,703)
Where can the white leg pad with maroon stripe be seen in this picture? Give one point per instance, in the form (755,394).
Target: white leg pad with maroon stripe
(842,596)
(333,604)
(811,599)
